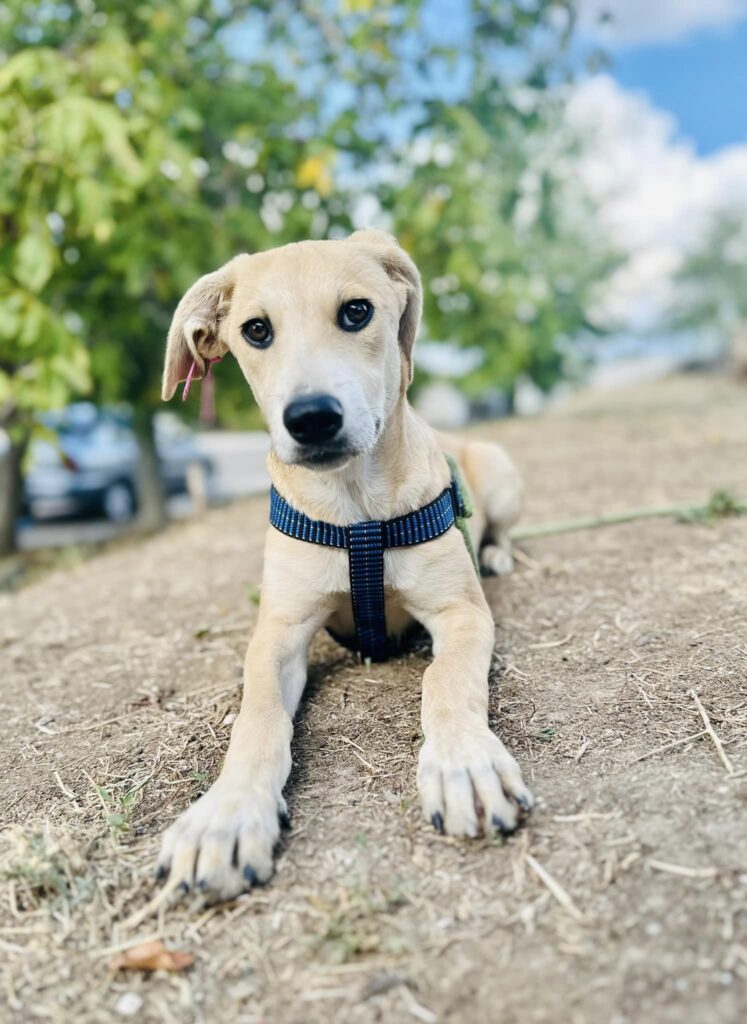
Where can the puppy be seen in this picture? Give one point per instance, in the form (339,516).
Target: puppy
(324,334)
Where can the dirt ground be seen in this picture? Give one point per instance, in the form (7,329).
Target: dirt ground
(623,900)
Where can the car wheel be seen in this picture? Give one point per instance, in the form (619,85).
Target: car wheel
(119,502)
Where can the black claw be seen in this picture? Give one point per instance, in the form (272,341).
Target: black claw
(501,825)
(161,872)
(184,887)
(250,875)
(284,819)
(202,884)
(438,822)
(523,803)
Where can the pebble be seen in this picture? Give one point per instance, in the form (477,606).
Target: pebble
(128,1004)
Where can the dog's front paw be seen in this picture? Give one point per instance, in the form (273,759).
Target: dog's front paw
(469,783)
(224,843)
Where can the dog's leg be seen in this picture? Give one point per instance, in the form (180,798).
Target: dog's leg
(467,779)
(497,559)
(224,842)
(497,491)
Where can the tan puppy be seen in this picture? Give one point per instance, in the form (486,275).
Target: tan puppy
(324,333)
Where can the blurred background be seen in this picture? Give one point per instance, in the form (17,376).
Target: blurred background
(570,177)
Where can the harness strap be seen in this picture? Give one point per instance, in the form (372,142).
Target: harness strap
(366,543)
(367,589)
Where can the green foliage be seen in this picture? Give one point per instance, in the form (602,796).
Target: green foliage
(712,282)
(147,143)
(119,803)
(359,921)
(546,734)
(721,505)
(46,869)
(509,263)
(126,179)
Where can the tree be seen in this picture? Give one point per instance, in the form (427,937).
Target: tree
(148,143)
(140,151)
(461,107)
(506,245)
(711,284)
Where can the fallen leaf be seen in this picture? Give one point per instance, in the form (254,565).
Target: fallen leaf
(152,956)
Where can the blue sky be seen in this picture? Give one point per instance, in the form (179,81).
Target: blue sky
(701,79)
(688,56)
(667,132)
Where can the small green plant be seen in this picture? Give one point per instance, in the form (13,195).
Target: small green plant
(45,868)
(405,803)
(200,780)
(118,806)
(720,505)
(546,735)
(357,923)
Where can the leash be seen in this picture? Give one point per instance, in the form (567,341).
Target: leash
(366,543)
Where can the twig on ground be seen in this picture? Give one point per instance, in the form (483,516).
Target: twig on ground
(363,760)
(668,746)
(680,869)
(66,792)
(154,904)
(712,733)
(589,816)
(524,559)
(417,1010)
(547,644)
(555,888)
(13,948)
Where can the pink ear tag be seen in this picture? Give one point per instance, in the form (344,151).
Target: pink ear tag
(190,376)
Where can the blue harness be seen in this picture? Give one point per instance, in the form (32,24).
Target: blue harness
(367,543)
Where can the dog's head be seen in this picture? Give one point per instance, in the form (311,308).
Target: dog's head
(323,332)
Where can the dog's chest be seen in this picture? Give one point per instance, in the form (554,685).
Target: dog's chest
(342,622)
(400,570)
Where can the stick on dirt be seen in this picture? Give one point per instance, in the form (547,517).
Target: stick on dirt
(668,746)
(556,889)
(681,869)
(712,733)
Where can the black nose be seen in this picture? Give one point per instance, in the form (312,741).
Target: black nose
(313,420)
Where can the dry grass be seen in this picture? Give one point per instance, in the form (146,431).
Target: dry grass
(619,681)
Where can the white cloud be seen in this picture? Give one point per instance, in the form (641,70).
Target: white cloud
(654,192)
(635,22)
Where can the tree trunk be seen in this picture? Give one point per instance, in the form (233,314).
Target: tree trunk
(151,493)
(11,490)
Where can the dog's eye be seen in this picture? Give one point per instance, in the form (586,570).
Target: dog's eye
(257,331)
(354,315)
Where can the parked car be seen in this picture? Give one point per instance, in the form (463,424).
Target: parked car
(89,464)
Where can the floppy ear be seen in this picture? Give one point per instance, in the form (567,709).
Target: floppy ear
(406,277)
(195,332)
